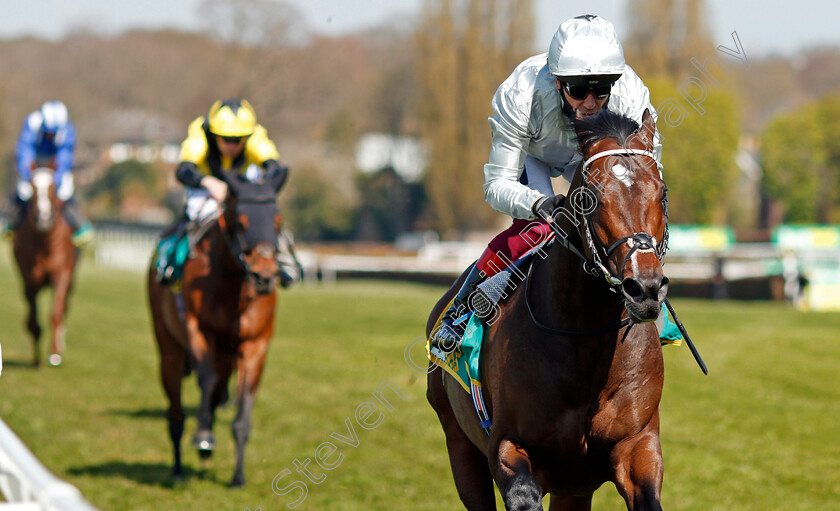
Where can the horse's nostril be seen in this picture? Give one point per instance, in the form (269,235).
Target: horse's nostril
(643,288)
(632,289)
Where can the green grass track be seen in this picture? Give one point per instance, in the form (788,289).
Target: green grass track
(761,432)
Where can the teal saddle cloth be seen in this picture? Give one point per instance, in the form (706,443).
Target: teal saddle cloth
(464,362)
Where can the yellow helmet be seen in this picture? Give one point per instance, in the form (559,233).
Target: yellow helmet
(232,118)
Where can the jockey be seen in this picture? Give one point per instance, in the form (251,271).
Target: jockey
(229,139)
(47,139)
(533,140)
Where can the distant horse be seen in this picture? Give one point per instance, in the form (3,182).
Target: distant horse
(573,386)
(46,256)
(226,318)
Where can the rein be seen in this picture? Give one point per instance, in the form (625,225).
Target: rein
(638,241)
(558,331)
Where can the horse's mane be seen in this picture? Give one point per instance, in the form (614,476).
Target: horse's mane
(604,124)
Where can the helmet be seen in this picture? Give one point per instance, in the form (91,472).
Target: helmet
(586,49)
(232,118)
(54,116)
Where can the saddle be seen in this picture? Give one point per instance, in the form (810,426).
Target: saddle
(174,246)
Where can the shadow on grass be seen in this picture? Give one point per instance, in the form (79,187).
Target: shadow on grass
(152,474)
(20,364)
(151,413)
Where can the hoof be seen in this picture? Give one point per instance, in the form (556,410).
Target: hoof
(55,360)
(204,441)
(238,481)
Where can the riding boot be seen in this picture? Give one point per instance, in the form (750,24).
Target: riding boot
(167,270)
(18,215)
(454,321)
(286,278)
(82,230)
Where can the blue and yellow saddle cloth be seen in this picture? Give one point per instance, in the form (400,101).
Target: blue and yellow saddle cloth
(463,362)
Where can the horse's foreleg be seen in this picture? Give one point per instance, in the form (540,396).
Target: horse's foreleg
(251,360)
(32,323)
(638,469)
(224,368)
(204,356)
(511,467)
(172,360)
(61,291)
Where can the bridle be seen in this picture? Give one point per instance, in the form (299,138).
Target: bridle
(640,241)
(236,241)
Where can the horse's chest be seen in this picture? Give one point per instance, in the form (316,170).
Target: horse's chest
(623,416)
(241,318)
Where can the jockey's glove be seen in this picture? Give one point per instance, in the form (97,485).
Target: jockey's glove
(546,207)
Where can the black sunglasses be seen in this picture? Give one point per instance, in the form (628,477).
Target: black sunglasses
(579,92)
(232,140)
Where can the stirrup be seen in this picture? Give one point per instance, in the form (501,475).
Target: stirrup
(450,332)
(165,275)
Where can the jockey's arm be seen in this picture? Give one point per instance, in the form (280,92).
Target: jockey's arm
(25,152)
(188,174)
(510,138)
(260,148)
(275,173)
(64,157)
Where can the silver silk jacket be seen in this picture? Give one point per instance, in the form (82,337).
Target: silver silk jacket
(530,131)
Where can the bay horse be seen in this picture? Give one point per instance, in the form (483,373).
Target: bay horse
(224,318)
(46,256)
(572,368)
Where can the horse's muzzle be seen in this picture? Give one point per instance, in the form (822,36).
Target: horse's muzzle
(262,268)
(643,295)
(263,284)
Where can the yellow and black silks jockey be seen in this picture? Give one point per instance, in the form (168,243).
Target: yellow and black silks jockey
(229,139)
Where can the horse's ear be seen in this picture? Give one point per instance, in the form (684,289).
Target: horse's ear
(278,178)
(648,128)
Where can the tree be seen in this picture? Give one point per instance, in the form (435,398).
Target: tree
(124,186)
(256,23)
(801,159)
(314,209)
(464,51)
(698,155)
(665,35)
(388,205)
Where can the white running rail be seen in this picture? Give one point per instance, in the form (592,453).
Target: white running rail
(27,485)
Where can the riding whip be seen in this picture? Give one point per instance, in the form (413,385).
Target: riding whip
(694,351)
